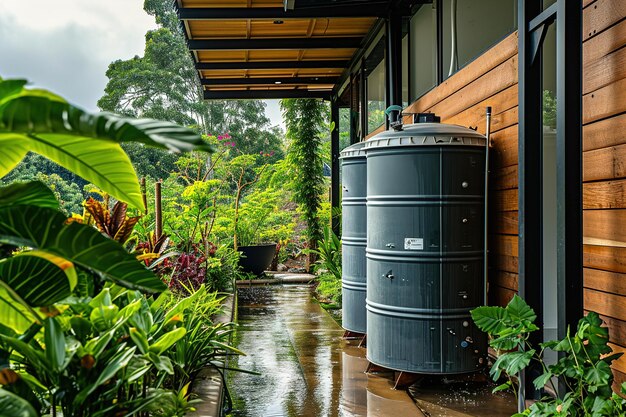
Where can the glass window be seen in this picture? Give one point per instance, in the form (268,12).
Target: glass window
(423,50)
(470,27)
(376,84)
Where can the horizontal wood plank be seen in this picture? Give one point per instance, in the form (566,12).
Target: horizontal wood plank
(605,224)
(606,258)
(504,279)
(503,200)
(504,245)
(499,296)
(617,329)
(605,43)
(496,80)
(605,281)
(504,222)
(605,102)
(504,112)
(620,363)
(604,164)
(620,378)
(601,15)
(604,71)
(503,178)
(610,305)
(504,149)
(502,262)
(474,70)
(605,133)
(604,195)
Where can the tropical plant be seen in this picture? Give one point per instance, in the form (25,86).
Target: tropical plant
(242,175)
(305,121)
(50,358)
(89,145)
(583,366)
(329,253)
(114,223)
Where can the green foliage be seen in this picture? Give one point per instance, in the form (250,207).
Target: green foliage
(163,84)
(42,122)
(549,109)
(305,119)
(584,365)
(329,252)
(116,353)
(329,290)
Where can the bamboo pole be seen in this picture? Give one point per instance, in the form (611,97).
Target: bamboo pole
(158,218)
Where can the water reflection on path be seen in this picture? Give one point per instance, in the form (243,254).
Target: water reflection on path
(307,369)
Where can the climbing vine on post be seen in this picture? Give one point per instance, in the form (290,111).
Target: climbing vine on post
(305,119)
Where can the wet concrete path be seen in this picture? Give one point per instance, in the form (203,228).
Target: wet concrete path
(307,369)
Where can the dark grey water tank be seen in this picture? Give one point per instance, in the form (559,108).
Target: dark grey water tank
(425,248)
(353,237)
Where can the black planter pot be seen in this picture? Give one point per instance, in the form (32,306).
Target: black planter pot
(256,258)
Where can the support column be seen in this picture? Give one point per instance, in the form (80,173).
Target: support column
(569,164)
(334,172)
(530,180)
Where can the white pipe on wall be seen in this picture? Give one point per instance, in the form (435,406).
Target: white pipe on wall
(454,55)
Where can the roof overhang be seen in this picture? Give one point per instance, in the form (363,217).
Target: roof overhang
(277,48)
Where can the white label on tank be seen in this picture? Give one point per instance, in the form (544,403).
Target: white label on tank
(413,243)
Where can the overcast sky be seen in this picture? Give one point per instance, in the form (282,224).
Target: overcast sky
(67,45)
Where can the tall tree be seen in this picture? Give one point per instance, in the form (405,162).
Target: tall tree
(306,120)
(164,84)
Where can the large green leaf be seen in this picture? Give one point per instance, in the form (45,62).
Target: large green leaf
(39,279)
(47,230)
(13,149)
(36,111)
(101,162)
(518,310)
(86,144)
(33,193)
(490,319)
(14,313)
(13,406)
(55,344)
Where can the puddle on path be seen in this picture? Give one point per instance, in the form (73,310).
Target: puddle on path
(308,370)
(450,397)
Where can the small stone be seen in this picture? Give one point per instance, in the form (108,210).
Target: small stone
(281,268)
(297,270)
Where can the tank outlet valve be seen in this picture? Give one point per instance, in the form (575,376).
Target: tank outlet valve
(464,344)
(389,275)
(390,245)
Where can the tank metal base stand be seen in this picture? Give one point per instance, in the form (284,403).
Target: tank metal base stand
(363,342)
(350,335)
(403,380)
(375,369)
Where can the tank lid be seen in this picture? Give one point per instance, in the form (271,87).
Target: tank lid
(427,134)
(353,151)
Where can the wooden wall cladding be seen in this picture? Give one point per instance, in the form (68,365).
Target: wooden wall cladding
(490,80)
(604,167)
